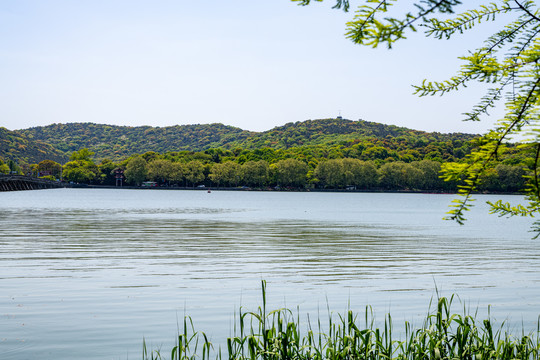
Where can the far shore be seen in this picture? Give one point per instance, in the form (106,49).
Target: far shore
(276,189)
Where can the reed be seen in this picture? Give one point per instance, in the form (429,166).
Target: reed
(277,334)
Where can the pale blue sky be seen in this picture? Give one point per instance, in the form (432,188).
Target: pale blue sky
(254,64)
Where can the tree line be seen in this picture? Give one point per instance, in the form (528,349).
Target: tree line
(225,169)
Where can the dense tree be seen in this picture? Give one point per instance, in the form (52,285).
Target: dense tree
(336,173)
(430,179)
(82,155)
(136,170)
(255,173)
(81,168)
(226,173)
(399,175)
(177,173)
(291,172)
(160,170)
(4,168)
(329,173)
(194,172)
(150,156)
(49,167)
(322,172)
(361,174)
(504,178)
(392,175)
(217,154)
(80,172)
(511,178)
(107,174)
(14,168)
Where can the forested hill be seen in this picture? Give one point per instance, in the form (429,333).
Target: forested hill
(338,131)
(117,142)
(18,147)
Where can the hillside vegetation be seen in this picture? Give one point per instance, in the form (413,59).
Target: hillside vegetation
(19,148)
(119,142)
(116,142)
(313,154)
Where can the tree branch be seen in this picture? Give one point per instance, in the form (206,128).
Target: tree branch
(526,10)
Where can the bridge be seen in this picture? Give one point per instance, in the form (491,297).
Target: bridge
(19,182)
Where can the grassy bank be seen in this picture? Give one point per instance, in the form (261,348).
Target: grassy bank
(279,334)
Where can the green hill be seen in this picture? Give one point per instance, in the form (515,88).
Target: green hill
(118,142)
(338,131)
(20,148)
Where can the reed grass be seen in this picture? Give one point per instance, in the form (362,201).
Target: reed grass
(277,334)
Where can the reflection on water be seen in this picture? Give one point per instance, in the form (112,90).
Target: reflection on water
(99,269)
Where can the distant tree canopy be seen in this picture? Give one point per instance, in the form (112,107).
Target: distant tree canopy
(336,173)
(51,168)
(81,168)
(286,169)
(508,61)
(136,170)
(291,172)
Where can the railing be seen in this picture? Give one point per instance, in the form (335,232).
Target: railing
(20,182)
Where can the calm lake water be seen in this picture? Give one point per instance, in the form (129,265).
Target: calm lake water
(87,274)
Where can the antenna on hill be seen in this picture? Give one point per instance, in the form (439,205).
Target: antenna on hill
(339,116)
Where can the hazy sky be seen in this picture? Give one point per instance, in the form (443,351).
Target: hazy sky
(254,64)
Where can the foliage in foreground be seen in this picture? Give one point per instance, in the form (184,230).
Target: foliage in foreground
(507,64)
(278,335)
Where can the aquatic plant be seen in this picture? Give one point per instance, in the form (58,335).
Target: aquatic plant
(262,335)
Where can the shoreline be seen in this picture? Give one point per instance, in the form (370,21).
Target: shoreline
(269,189)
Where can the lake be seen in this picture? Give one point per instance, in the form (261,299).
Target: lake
(89,273)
